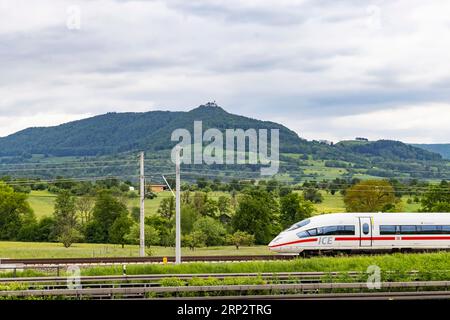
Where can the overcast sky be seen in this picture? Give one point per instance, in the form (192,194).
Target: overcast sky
(326,69)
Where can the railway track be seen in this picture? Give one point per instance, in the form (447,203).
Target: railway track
(142,260)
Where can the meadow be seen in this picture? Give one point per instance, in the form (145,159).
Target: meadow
(42,203)
(9,249)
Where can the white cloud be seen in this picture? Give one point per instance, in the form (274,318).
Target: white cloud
(413,124)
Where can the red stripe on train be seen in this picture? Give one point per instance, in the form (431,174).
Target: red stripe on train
(362,238)
(427,238)
(365,238)
(293,242)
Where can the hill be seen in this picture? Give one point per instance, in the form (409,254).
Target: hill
(389,149)
(442,149)
(113,133)
(115,136)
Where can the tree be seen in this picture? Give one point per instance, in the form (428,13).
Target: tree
(69,236)
(204,205)
(66,219)
(437,198)
(14,209)
(257,214)
(167,208)
(224,205)
(202,183)
(84,206)
(313,195)
(186,197)
(47,230)
(212,229)
(120,228)
(198,201)
(165,229)
(370,196)
(151,236)
(272,185)
(106,210)
(210,208)
(188,217)
(29,229)
(284,190)
(240,238)
(195,239)
(136,214)
(294,208)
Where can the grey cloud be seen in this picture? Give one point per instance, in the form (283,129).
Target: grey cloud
(291,61)
(268,16)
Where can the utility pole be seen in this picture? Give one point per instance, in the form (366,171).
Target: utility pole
(177,208)
(142,212)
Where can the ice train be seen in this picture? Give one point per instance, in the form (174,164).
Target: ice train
(365,232)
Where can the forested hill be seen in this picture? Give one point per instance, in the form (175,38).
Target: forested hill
(388,149)
(114,133)
(120,132)
(443,149)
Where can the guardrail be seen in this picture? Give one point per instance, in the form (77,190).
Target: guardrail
(154,277)
(142,291)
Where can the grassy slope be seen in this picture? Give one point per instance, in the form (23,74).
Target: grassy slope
(42,203)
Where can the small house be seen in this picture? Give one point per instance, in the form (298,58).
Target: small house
(157,187)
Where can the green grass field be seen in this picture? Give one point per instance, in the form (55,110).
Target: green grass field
(42,203)
(431,266)
(56,250)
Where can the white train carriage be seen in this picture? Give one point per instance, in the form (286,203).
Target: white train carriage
(365,232)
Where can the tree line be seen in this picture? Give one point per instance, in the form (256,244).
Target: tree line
(254,214)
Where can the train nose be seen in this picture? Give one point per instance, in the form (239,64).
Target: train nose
(274,242)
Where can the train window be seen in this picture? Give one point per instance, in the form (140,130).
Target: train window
(429,229)
(303,234)
(336,230)
(299,224)
(407,229)
(330,230)
(312,232)
(365,228)
(346,230)
(410,229)
(387,229)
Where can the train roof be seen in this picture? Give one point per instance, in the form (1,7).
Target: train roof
(328,216)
